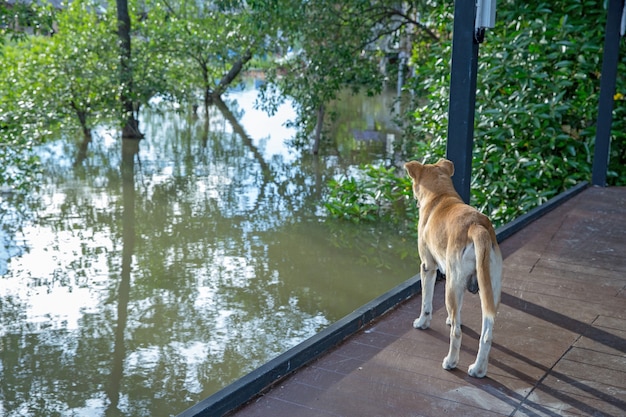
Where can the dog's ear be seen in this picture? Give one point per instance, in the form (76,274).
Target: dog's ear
(414,169)
(447,165)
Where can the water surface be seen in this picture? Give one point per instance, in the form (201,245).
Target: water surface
(144,276)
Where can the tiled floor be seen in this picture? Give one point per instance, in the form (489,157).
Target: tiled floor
(559,342)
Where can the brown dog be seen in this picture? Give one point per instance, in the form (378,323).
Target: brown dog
(460,242)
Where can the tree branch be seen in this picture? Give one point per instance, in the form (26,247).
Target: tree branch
(232,74)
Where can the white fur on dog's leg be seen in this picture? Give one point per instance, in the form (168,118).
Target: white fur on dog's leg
(452,360)
(428,278)
(454,303)
(423,322)
(479,368)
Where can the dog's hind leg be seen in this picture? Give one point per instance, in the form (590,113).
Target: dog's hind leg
(489,274)
(428,276)
(454,301)
(479,368)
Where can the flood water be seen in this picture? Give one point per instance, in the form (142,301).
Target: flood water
(142,277)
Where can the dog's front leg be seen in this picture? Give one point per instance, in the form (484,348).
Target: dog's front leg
(428,276)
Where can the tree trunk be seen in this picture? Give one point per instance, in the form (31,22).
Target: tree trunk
(82,119)
(131,125)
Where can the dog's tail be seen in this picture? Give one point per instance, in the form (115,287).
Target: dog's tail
(484,240)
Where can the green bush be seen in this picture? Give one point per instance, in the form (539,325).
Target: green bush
(379,194)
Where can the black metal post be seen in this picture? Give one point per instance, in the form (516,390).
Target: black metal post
(462,96)
(607,91)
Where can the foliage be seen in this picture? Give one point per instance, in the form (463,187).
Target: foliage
(52,83)
(534,128)
(149,59)
(616,174)
(78,66)
(379,194)
(18,15)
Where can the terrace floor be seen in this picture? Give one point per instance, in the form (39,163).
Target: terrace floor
(559,340)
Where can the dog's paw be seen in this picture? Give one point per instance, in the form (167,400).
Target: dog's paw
(477,371)
(449,362)
(423,322)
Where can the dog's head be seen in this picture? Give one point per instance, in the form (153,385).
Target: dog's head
(430,179)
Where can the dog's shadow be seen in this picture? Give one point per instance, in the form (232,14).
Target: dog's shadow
(523,402)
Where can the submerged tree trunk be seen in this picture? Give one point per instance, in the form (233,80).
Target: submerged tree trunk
(131,124)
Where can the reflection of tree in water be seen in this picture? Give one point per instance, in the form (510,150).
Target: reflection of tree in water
(130,148)
(14,214)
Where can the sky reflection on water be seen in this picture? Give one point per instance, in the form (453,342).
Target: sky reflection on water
(146,276)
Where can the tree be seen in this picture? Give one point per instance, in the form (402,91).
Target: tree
(78,65)
(207,46)
(131,124)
